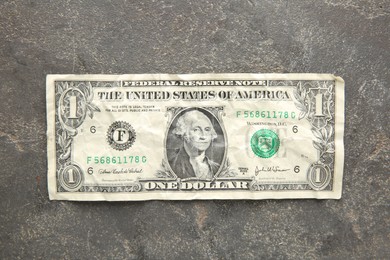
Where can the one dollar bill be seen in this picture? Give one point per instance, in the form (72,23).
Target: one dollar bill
(198,136)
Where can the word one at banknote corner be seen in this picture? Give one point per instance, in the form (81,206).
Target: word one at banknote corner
(195,136)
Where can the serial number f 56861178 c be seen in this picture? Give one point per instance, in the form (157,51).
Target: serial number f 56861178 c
(265,114)
(130,159)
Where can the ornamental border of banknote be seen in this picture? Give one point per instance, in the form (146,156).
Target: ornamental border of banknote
(60,137)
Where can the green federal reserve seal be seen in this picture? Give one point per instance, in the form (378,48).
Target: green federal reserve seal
(265,143)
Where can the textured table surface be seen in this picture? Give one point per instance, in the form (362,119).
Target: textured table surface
(347,38)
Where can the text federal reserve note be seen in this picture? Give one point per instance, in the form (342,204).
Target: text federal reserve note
(200,136)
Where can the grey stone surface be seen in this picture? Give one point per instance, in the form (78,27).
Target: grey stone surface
(348,38)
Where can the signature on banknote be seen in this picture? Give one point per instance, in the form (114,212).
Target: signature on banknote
(260,169)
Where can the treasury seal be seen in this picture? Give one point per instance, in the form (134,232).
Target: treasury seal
(121,135)
(265,143)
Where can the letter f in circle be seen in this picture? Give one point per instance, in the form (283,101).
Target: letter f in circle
(120,135)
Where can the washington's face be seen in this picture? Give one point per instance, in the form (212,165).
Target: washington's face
(199,134)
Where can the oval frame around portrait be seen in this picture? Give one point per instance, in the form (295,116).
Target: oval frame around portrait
(217,153)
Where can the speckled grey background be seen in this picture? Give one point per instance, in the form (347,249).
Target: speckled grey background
(349,38)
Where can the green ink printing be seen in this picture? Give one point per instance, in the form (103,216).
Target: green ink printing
(265,143)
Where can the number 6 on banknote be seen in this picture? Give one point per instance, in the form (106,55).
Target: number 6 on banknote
(196,136)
